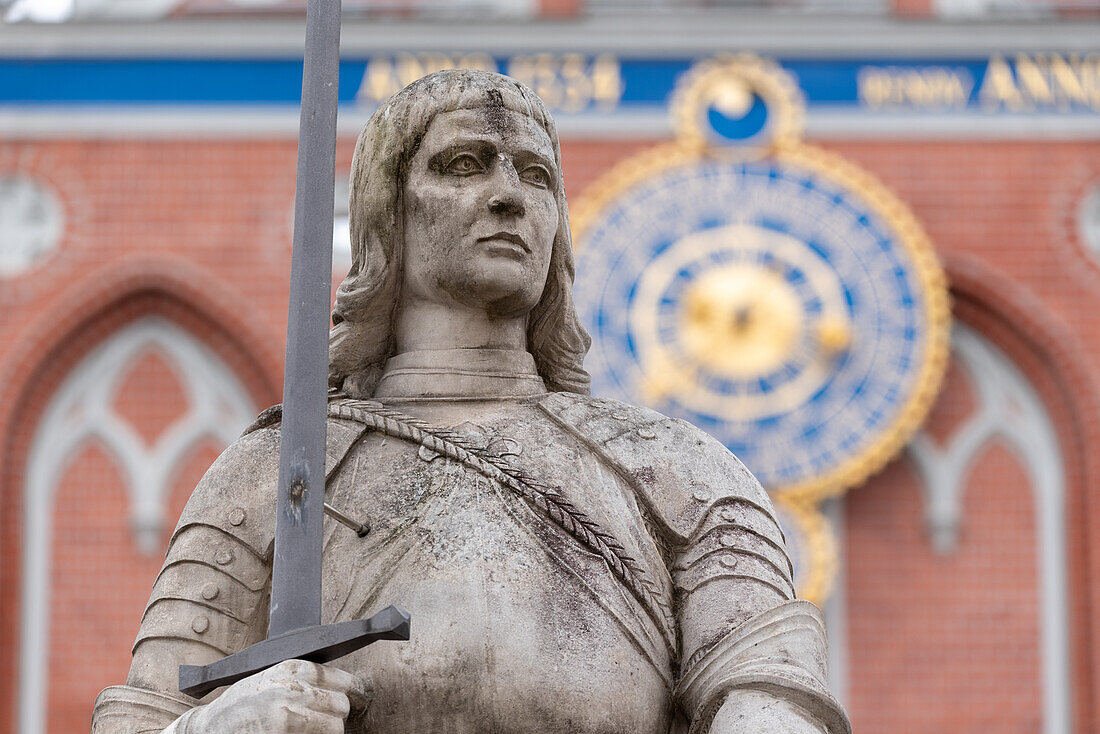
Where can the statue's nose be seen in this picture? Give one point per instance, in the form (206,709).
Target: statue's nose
(506,203)
(508,197)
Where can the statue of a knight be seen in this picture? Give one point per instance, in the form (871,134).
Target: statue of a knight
(572,565)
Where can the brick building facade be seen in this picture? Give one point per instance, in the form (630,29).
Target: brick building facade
(968,596)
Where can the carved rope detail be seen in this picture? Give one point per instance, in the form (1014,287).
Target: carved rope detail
(546,499)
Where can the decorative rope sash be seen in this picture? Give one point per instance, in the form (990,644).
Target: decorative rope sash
(544,498)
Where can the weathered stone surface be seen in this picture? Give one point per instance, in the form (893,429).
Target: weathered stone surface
(571,564)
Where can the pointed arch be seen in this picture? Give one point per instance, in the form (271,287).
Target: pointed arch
(82,411)
(86,315)
(1020,351)
(1057,365)
(1009,412)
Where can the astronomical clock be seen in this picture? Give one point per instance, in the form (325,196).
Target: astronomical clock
(770,292)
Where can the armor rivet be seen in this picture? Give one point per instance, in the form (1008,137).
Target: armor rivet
(701,495)
(646,433)
(236,516)
(200,624)
(210,591)
(223,557)
(729,539)
(729,561)
(729,514)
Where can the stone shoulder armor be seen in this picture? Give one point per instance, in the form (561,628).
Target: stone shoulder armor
(211,596)
(727,557)
(682,472)
(213,586)
(735,596)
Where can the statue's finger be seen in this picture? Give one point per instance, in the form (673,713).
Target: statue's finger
(361,694)
(335,679)
(329,725)
(304,720)
(326,702)
(300,671)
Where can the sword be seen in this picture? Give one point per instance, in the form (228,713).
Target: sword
(295,629)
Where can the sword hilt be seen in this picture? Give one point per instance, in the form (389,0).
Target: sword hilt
(319,644)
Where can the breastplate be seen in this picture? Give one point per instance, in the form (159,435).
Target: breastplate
(516,626)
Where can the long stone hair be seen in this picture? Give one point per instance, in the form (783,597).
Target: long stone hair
(362,337)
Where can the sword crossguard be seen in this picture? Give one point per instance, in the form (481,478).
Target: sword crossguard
(319,644)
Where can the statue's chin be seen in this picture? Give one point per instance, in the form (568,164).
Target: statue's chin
(505,289)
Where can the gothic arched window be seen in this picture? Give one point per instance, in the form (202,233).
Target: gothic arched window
(114,458)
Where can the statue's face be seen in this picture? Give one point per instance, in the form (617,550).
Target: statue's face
(479,212)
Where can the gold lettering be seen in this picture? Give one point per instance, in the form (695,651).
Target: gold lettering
(481,61)
(921,88)
(379,82)
(519,67)
(385,76)
(873,85)
(964,84)
(570,82)
(545,80)
(1090,79)
(952,89)
(607,81)
(434,62)
(1068,80)
(577,86)
(409,68)
(999,86)
(1032,81)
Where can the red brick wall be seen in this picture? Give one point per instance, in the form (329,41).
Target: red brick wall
(560,8)
(99,582)
(199,232)
(913,8)
(944,643)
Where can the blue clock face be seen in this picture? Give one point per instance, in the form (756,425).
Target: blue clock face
(769,302)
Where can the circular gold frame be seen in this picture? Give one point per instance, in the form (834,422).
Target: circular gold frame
(856,469)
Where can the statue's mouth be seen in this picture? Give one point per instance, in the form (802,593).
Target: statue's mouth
(506,241)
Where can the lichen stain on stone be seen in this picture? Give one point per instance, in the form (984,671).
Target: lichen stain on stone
(495,114)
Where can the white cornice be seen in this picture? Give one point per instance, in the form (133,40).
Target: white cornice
(248,122)
(679,34)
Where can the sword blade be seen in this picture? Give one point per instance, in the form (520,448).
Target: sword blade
(296,575)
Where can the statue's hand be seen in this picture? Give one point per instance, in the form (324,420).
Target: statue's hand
(293,696)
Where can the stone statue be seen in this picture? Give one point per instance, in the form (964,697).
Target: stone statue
(571,564)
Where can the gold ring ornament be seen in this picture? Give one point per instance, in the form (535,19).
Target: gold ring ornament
(772,293)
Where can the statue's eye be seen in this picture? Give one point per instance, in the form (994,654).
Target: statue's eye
(536,175)
(464,165)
